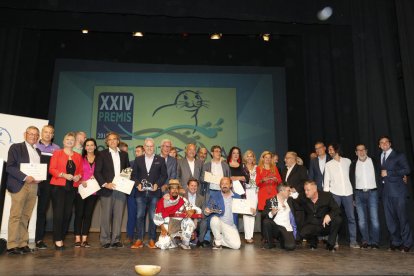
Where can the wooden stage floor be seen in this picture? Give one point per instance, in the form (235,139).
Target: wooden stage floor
(249,260)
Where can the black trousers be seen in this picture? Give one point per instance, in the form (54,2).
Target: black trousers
(271,231)
(310,232)
(62,204)
(83,214)
(43,200)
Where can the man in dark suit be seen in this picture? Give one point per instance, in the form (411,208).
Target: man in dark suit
(199,201)
(149,169)
(317,165)
(170,162)
(295,175)
(323,216)
(23,191)
(109,163)
(394,166)
(189,167)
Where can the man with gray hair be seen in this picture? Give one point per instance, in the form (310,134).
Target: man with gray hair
(189,167)
(170,162)
(23,191)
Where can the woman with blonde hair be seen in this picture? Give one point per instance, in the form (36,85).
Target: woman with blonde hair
(267,179)
(249,160)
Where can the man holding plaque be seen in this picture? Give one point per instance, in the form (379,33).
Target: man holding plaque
(174,215)
(110,163)
(223,222)
(280,221)
(23,191)
(149,173)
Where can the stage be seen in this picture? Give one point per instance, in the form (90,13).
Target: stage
(249,260)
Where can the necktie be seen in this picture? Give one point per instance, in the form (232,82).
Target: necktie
(383,159)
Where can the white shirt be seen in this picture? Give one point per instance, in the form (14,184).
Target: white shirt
(282,217)
(191,164)
(148,162)
(216,168)
(192,198)
(336,178)
(322,163)
(365,175)
(116,160)
(289,171)
(33,155)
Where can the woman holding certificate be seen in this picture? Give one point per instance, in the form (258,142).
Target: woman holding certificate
(84,207)
(267,179)
(66,170)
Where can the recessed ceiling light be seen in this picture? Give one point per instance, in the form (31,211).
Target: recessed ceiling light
(216,36)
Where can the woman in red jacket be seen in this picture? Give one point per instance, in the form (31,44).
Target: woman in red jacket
(267,179)
(66,170)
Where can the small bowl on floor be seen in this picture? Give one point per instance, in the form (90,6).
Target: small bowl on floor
(147,270)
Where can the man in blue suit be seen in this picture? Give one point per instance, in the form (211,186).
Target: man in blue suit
(394,166)
(317,165)
(223,222)
(170,162)
(23,191)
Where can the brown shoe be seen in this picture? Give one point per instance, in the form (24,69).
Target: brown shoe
(151,244)
(137,244)
(250,241)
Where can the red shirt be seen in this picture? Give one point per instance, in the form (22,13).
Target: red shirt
(58,165)
(267,189)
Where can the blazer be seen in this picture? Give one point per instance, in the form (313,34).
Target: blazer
(104,169)
(314,213)
(157,174)
(315,173)
(219,201)
(58,165)
(397,167)
(184,171)
(15,177)
(207,168)
(171,169)
(296,178)
(200,201)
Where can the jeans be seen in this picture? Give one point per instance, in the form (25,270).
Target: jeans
(132,215)
(367,207)
(347,202)
(146,204)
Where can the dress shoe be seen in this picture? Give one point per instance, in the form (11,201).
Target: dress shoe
(117,245)
(106,245)
(206,244)
(151,244)
(249,241)
(26,249)
(41,245)
(14,251)
(61,248)
(85,244)
(137,244)
(313,246)
(404,249)
(374,246)
(216,247)
(330,247)
(268,246)
(77,244)
(364,245)
(393,247)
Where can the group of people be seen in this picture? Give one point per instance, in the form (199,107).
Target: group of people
(293,203)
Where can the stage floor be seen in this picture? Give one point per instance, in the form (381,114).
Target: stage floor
(249,260)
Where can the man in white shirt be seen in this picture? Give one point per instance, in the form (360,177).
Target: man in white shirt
(363,179)
(337,182)
(280,222)
(217,167)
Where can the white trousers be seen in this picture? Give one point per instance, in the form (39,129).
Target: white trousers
(248,221)
(224,234)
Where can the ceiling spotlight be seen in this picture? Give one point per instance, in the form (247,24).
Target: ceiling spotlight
(85,31)
(325,13)
(216,36)
(266,37)
(139,34)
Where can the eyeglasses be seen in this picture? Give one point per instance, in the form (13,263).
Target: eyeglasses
(32,134)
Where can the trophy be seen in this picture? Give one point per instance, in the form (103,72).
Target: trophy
(126,173)
(146,185)
(274,203)
(214,208)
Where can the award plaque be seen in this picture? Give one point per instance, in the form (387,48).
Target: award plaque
(146,185)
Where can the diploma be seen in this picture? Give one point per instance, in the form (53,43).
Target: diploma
(241,206)
(123,184)
(214,180)
(92,186)
(35,170)
(238,188)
